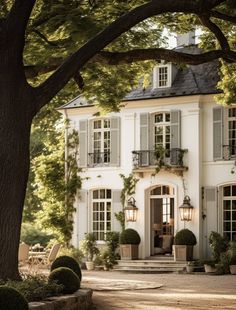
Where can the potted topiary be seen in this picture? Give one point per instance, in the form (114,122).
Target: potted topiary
(129,242)
(89,249)
(184,241)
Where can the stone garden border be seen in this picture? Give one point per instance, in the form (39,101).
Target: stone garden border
(81,300)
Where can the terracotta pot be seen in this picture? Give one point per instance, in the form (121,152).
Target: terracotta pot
(232,269)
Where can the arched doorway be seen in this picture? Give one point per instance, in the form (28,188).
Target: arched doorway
(161,219)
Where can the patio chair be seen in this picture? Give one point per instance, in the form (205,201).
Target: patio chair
(23,254)
(41,259)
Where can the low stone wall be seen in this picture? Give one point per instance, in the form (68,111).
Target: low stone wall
(80,300)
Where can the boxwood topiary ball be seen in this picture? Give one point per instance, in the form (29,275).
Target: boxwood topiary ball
(11,299)
(129,236)
(185,237)
(69,262)
(66,277)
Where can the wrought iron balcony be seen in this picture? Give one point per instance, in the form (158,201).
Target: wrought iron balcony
(98,158)
(151,158)
(229,151)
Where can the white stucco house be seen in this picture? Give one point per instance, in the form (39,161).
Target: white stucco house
(179,112)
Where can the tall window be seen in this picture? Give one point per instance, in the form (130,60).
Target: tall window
(163,76)
(101,213)
(162,131)
(101,141)
(232,130)
(229,212)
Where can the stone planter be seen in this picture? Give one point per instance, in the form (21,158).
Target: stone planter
(129,251)
(189,269)
(209,268)
(183,252)
(232,269)
(89,265)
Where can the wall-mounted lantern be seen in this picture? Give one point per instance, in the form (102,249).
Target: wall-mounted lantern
(131,210)
(186,210)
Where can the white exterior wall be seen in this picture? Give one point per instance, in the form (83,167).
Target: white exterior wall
(196,137)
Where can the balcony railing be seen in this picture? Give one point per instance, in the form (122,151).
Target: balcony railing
(229,151)
(98,158)
(150,158)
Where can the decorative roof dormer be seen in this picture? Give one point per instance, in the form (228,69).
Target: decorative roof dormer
(164,75)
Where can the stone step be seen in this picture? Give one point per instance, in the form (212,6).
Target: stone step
(150,266)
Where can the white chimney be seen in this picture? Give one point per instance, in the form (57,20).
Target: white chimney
(186,39)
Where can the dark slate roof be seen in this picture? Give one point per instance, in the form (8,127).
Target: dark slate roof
(77,102)
(191,80)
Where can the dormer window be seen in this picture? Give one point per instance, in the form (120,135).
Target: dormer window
(163,75)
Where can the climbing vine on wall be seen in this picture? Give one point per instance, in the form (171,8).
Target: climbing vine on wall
(129,184)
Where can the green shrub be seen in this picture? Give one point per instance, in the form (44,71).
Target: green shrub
(112,240)
(11,299)
(89,246)
(32,235)
(218,245)
(35,288)
(185,237)
(69,262)
(66,277)
(129,236)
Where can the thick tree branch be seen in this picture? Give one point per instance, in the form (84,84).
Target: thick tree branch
(205,20)
(18,18)
(161,54)
(118,58)
(44,38)
(222,16)
(61,76)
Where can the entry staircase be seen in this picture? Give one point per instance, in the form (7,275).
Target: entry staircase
(153,264)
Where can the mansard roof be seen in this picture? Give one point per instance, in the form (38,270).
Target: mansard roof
(191,80)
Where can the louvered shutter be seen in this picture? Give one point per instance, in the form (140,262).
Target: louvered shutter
(83,144)
(210,222)
(217,133)
(144,139)
(116,208)
(115,141)
(175,135)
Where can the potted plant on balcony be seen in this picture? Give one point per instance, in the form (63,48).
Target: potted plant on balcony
(184,241)
(129,242)
(89,249)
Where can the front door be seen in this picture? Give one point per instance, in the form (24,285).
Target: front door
(161,219)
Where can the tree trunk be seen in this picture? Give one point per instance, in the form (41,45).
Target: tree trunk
(15,119)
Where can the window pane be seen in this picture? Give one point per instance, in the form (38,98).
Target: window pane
(108,193)
(233,226)
(102,206)
(166,190)
(233,190)
(108,216)
(227,205)
(101,216)
(233,204)
(158,118)
(227,226)
(234,215)
(95,194)
(102,193)
(227,215)
(156,191)
(227,191)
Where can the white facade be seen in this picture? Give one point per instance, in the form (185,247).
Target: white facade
(203,179)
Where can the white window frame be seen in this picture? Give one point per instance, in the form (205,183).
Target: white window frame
(230,210)
(105,201)
(227,119)
(156,72)
(164,124)
(102,141)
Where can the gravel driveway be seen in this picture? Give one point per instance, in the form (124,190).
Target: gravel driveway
(117,290)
